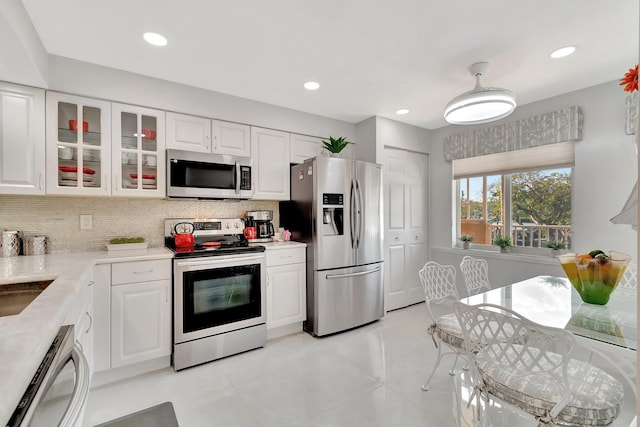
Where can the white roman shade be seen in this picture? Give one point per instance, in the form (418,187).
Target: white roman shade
(549,156)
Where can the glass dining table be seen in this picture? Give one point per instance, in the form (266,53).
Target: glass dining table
(552,301)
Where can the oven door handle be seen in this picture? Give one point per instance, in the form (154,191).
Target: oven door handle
(216,260)
(80,389)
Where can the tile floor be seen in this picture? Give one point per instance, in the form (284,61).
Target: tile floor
(369,376)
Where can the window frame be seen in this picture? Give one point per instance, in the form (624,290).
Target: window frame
(507,201)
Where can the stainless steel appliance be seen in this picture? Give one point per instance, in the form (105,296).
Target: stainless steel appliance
(219,288)
(262,220)
(58,391)
(208,176)
(336,208)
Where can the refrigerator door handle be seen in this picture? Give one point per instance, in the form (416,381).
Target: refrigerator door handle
(361,273)
(359,213)
(352,209)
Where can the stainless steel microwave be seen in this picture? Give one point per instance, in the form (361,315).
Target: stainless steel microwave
(208,176)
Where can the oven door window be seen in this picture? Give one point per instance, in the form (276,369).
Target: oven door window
(220,296)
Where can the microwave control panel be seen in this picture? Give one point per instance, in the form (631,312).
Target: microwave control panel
(245,177)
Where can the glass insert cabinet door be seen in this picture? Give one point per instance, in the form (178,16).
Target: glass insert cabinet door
(139,151)
(78,145)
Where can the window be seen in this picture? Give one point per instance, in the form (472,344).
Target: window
(533,207)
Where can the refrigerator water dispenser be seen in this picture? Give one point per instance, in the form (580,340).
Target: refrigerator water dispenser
(332,223)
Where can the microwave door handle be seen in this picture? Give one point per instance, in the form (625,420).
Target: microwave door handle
(237,177)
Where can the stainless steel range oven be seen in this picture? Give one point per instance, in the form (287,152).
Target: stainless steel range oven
(219,292)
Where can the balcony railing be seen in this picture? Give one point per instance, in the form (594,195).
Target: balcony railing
(535,236)
(531,235)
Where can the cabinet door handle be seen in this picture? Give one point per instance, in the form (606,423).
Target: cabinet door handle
(267,280)
(215,142)
(207,143)
(91,283)
(166,294)
(79,344)
(143,272)
(90,323)
(105,182)
(40,181)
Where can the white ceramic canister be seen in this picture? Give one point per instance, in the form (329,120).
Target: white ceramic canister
(35,245)
(10,243)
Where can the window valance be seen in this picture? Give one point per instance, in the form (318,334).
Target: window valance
(549,128)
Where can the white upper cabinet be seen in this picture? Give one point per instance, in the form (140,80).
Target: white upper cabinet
(270,164)
(138,161)
(203,135)
(304,147)
(231,138)
(78,144)
(188,133)
(22,136)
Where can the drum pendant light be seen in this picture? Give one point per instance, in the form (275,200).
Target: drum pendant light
(480,105)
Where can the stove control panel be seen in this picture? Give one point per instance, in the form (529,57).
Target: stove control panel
(206,226)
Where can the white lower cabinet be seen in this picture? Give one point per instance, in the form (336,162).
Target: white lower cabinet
(81,317)
(140,322)
(132,313)
(286,287)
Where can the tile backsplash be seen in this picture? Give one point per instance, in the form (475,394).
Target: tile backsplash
(59,218)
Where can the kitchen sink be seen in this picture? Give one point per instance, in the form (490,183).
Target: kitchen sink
(14,297)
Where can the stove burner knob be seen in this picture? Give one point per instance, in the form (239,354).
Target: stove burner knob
(227,226)
(235,225)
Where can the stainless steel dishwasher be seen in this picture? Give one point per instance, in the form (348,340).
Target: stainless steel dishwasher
(58,391)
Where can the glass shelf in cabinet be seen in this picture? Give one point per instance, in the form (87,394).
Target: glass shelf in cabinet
(71,136)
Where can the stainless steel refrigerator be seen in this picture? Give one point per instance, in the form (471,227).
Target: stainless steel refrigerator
(336,208)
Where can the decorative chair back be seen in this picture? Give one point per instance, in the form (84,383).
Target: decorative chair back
(476,274)
(499,339)
(438,283)
(629,277)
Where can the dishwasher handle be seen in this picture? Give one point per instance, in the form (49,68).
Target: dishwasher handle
(360,273)
(80,389)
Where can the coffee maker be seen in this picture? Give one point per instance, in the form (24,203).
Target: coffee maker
(262,220)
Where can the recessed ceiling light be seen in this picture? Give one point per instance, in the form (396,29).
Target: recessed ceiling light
(311,85)
(155,39)
(402,111)
(563,51)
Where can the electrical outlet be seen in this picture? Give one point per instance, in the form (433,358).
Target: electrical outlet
(86,222)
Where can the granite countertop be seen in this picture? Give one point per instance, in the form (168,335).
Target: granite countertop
(26,337)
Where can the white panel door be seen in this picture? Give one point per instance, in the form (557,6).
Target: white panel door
(22,140)
(270,164)
(140,322)
(286,295)
(405,196)
(188,133)
(231,138)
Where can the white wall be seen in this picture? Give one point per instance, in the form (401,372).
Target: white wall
(604,174)
(81,78)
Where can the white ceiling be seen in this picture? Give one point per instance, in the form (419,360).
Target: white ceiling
(371,57)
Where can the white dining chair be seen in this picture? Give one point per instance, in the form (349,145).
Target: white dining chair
(517,362)
(439,286)
(629,277)
(475,273)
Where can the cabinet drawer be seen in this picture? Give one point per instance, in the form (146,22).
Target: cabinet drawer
(285,256)
(140,271)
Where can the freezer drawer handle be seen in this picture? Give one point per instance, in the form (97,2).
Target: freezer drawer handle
(362,273)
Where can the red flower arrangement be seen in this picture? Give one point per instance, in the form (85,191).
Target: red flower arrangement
(630,80)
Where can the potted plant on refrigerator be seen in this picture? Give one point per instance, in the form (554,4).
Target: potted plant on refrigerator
(504,243)
(335,145)
(466,239)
